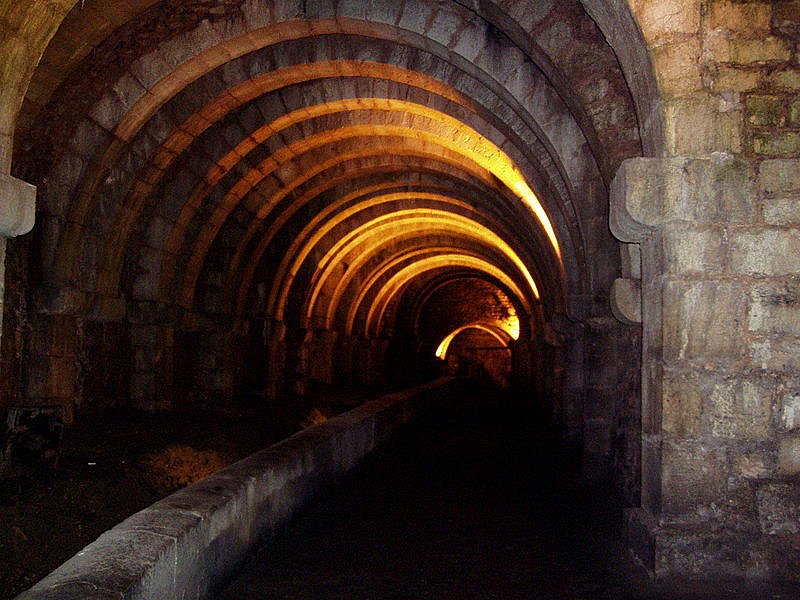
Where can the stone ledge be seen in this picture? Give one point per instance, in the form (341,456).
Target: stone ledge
(626,300)
(185,545)
(17,206)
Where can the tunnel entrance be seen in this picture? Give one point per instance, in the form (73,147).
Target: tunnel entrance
(242,199)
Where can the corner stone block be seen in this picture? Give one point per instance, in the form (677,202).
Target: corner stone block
(789,455)
(702,320)
(17,206)
(650,192)
(693,477)
(637,194)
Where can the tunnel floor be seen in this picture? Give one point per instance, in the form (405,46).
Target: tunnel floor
(464,506)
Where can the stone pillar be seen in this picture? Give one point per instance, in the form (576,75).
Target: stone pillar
(152,378)
(721,340)
(17,213)
(345,361)
(276,359)
(321,356)
(564,341)
(50,365)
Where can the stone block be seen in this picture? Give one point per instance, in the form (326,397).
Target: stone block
(693,477)
(765,252)
(779,175)
(782,211)
(776,355)
(702,320)
(651,192)
(664,19)
(794,112)
(678,67)
(789,455)
(736,79)
(445,26)
(779,508)
(760,50)
(53,377)
(742,409)
(682,404)
(790,410)
(786,14)
(17,206)
(54,335)
(697,125)
(751,466)
(740,16)
(691,250)
(786,78)
(765,111)
(775,308)
(777,144)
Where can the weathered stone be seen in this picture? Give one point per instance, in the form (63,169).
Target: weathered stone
(765,252)
(738,16)
(626,300)
(768,49)
(692,250)
(782,211)
(751,466)
(790,410)
(702,321)
(17,206)
(651,192)
(742,410)
(777,144)
(787,78)
(765,110)
(780,175)
(794,112)
(736,79)
(663,20)
(777,355)
(775,309)
(779,508)
(679,72)
(789,455)
(693,477)
(683,400)
(696,126)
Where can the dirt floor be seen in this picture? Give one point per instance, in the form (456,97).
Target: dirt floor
(114,464)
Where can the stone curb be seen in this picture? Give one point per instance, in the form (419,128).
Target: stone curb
(187,544)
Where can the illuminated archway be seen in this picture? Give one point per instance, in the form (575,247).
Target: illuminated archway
(503,332)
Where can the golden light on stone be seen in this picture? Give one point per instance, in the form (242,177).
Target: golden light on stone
(368,238)
(493,328)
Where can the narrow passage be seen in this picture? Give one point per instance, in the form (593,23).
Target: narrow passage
(467,504)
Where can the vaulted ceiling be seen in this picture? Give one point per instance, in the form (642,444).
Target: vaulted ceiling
(314,162)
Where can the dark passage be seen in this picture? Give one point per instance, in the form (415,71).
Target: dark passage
(464,505)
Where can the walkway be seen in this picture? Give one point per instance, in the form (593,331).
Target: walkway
(461,507)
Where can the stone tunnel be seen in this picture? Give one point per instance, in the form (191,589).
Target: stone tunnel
(592,204)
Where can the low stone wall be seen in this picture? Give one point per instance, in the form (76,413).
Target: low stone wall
(185,545)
